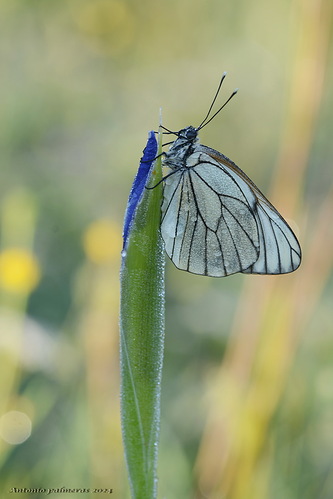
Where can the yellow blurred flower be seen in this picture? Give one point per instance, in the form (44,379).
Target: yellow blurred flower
(19,270)
(102,241)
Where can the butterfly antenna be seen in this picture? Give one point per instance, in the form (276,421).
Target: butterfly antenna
(217,112)
(213,102)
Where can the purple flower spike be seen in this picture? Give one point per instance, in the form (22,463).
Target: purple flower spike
(140,181)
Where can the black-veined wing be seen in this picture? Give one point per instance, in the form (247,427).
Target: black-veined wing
(216,222)
(280,251)
(207,223)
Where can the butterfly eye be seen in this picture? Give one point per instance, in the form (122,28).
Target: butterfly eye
(189,133)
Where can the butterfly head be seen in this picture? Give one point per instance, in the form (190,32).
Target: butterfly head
(188,134)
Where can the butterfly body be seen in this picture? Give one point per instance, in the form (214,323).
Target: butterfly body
(181,148)
(215,221)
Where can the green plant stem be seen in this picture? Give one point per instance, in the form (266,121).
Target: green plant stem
(142,341)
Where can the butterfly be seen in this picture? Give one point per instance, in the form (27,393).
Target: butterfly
(215,221)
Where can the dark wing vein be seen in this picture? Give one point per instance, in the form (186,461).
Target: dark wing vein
(172,197)
(223,205)
(181,187)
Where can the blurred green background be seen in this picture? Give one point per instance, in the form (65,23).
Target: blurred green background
(247,395)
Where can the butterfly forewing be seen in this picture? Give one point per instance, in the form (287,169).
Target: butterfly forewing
(214,231)
(216,222)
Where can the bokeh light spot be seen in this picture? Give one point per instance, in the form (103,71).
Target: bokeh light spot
(102,241)
(19,270)
(15,427)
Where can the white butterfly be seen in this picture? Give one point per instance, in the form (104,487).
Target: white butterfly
(215,221)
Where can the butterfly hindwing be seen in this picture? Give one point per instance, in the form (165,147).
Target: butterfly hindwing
(280,251)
